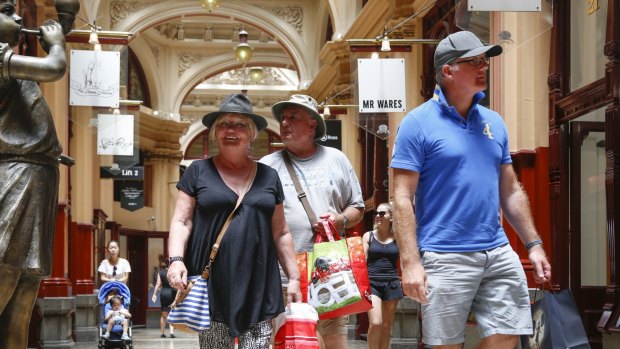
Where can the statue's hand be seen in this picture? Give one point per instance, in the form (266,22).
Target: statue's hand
(9,30)
(51,34)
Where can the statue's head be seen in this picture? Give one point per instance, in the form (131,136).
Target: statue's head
(10,23)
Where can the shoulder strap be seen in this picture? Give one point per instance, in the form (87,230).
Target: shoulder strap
(301,195)
(216,246)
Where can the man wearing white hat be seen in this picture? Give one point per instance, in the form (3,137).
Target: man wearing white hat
(453,155)
(328,180)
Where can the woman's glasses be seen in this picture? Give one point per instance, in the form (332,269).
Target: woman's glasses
(237,126)
(381,213)
(114,271)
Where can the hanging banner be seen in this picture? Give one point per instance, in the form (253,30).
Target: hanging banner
(115,134)
(132,195)
(95,78)
(333,134)
(504,5)
(381,85)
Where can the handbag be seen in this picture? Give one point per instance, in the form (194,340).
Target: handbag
(190,309)
(296,328)
(556,323)
(335,278)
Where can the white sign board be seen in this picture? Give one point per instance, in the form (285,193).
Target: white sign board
(95,78)
(115,134)
(505,5)
(381,85)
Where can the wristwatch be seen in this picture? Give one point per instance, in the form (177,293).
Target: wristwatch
(345,221)
(173,259)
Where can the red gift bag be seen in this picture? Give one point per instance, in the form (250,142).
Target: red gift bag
(334,276)
(296,328)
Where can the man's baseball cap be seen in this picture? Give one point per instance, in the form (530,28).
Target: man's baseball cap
(462,44)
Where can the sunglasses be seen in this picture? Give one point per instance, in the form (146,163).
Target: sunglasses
(380,213)
(476,62)
(114,271)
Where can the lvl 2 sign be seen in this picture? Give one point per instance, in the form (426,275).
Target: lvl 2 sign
(381,85)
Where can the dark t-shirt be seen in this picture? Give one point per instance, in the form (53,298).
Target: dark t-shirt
(244,285)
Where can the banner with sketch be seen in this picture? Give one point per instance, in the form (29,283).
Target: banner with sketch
(115,134)
(95,78)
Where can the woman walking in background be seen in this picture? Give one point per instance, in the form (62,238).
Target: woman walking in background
(166,297)
(382,257)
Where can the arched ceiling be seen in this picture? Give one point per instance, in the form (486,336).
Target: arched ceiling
(186,52)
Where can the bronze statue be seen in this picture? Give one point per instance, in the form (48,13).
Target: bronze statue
(29,154)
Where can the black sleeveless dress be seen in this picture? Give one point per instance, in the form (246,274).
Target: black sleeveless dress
(166,297)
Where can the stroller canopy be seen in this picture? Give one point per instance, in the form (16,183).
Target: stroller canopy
(120,288)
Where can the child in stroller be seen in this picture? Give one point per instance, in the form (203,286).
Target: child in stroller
(115,320)
(117,316)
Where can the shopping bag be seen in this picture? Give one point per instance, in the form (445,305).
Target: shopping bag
(296,328)
(334,276)
(556,323)
(190,310)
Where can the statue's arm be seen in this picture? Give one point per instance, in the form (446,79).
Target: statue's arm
(49,68)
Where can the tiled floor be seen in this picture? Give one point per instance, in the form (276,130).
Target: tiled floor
(150,338)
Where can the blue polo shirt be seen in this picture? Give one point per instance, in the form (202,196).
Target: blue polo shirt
(457,198)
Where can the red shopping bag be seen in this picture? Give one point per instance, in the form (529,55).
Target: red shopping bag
(334,276)
(296,328)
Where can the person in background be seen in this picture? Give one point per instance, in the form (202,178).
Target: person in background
(166,297)
(330,184)
(244,287)
(382,256)
(114,268)
(453,155)
(117,316)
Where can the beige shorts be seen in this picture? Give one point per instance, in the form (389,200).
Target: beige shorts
(330,327)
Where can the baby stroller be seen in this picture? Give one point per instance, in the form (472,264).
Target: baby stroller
(106,292)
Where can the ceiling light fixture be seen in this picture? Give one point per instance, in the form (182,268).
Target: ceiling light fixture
(256,74)
(243,51)
(210,5)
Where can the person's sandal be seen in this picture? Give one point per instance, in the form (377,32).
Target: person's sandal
(163,335)
(172,335)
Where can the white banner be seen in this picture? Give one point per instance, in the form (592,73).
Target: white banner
(505,5)
(95,78)
(115,134)
(381,85)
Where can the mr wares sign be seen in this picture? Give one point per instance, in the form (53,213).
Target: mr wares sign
(381,85)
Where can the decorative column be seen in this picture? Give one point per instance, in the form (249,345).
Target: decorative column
(81,271)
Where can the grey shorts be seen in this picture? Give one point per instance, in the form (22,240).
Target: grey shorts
(491,284)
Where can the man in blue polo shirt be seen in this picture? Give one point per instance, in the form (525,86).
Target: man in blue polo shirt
(453,155)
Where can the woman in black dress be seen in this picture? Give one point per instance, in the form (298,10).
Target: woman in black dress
(166,297)
(245,291)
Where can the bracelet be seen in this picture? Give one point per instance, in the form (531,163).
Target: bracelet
(533,243)
(174,259)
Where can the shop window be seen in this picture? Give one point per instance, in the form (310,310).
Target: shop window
(587,36)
